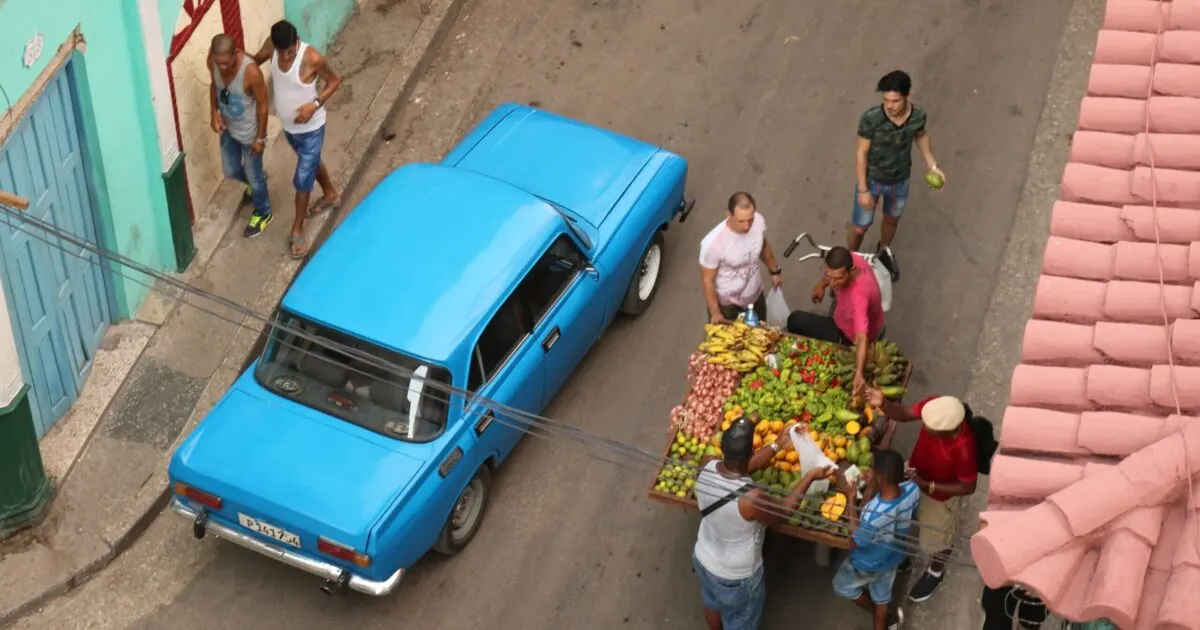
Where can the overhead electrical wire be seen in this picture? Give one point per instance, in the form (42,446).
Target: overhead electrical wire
(506,415)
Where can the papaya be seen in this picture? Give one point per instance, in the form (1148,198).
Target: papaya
(852,452)
(864,445)
(866,460)
(845,415)
(892,391)
(833,507)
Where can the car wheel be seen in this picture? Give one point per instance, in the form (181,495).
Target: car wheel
(467,514)
(644,285)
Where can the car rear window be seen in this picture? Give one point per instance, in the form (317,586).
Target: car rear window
(349,378)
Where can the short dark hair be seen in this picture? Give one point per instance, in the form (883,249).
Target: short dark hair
(283,35)
(838,257)
(889,465)
(895,81)
(222,44)
(741,198)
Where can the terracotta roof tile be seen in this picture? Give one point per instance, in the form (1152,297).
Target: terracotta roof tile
(1092,455)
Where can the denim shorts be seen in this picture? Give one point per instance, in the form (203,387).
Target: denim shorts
(894,197)
(308,156)
(848,582)
(740,602)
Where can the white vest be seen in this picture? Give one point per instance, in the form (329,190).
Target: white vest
(728,545)
(289,93)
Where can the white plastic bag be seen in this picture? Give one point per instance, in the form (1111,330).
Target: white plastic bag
(885,284)
(777,309)
(810,457)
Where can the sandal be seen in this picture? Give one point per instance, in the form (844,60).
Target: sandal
(297,241)
(322,207)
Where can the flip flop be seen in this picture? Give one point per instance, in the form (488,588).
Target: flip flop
(295,241)
(323,206)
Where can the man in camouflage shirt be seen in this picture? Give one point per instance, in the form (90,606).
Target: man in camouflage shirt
(886,134)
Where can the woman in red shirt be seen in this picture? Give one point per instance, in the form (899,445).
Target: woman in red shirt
(943,465)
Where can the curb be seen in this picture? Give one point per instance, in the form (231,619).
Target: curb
(394,91)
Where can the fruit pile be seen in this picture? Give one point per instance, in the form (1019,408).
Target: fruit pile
(823,513)
(678,476)
(884,368)
(738,345)
(710,386)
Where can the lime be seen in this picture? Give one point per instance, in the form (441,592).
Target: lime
(934,180)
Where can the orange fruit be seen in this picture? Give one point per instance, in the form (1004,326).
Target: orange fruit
(796,467)
(814,435)
(839,441)
(776,426)
(757,441)
(783,466)
(793,457)
(841,453)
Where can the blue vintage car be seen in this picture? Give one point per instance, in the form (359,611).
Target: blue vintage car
(366,433)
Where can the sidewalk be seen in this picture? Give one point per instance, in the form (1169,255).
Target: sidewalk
(161,373)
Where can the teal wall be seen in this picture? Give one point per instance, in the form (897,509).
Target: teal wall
(119,125)
(318,21)
(168,17)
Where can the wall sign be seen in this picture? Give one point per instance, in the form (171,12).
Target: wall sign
(33,49)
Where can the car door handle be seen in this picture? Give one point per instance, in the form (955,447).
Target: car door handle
(551,339)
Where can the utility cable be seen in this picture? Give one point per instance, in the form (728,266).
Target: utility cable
(524,421)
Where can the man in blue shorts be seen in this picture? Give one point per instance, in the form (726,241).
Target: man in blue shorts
(878,534)
(883,163)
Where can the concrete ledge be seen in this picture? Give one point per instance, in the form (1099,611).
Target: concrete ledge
(50,564)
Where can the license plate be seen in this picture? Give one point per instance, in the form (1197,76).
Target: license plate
(269,530)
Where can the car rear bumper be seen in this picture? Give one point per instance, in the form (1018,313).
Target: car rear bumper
(318,568)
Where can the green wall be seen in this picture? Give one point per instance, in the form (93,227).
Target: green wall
(318,21)
(114,98)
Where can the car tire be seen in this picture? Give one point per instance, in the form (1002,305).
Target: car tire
(644,285)
(467,514)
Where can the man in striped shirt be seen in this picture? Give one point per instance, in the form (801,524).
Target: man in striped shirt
(879,536)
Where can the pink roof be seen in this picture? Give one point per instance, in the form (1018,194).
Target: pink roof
(1088,497)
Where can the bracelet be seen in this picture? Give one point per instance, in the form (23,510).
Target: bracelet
(776,272)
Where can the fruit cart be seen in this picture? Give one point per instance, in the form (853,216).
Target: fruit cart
(807,367)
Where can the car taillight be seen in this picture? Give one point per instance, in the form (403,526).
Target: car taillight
(338,550)
(199,496)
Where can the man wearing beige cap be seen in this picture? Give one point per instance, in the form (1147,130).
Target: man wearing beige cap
(943,465)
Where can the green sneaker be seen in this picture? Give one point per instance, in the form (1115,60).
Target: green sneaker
(258,223)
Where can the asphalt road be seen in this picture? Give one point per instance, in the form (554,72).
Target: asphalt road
(762,96)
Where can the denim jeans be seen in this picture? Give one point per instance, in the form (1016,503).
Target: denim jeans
(740,602)
(308,157)
(894,196)
(246,166)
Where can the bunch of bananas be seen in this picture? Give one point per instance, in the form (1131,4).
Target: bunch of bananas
(737,346)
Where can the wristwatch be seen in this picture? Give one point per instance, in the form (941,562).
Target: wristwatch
(318,102)
(776,272)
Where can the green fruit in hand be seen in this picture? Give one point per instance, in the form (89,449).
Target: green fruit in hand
(934,180)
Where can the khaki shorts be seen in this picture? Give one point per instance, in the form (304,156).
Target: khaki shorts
(939,521)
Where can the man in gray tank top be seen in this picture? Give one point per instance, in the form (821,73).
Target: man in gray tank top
(238,97)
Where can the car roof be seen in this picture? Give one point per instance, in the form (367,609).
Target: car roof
(581,167)
(424,259)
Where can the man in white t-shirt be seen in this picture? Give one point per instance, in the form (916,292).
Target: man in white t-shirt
(731,256)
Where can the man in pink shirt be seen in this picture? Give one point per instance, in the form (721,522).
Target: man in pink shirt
(858,315)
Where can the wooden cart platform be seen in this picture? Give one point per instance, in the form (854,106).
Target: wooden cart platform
(829,539)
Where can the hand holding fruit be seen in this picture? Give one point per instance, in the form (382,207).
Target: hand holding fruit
(935,178)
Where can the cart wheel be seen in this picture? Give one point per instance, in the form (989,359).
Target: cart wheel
(644,285)
(467,514)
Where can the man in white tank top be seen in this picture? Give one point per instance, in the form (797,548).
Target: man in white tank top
(295,69)
(734,517)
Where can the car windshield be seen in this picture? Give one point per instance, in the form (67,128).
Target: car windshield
(353,381)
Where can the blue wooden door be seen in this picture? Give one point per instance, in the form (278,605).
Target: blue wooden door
(57,295)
